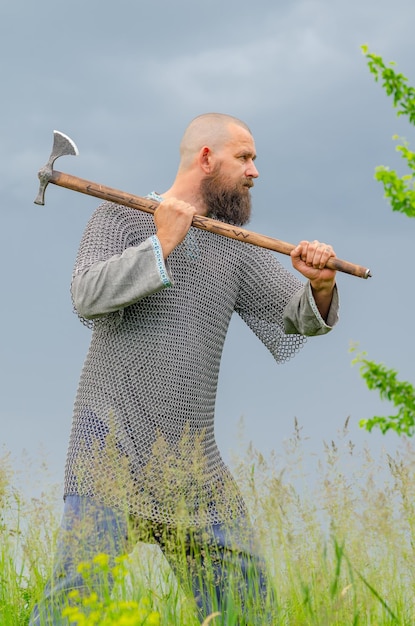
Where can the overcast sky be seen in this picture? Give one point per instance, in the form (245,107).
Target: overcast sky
(123,80)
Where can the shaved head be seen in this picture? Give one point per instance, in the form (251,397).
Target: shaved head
(217,170)
(209,129)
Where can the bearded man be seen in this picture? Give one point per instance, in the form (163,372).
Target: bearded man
(159,296)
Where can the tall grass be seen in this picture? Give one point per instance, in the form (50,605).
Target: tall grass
(338,533)
(27,538)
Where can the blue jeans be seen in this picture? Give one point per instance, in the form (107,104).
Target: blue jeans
(220,565)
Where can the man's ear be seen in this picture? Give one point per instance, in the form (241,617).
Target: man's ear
(206,159)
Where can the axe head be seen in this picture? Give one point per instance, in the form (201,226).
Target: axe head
(62,145)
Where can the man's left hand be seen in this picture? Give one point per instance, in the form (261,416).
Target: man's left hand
(309,258)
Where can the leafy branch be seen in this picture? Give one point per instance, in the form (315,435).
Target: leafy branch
(399,191)
(394,84)
(401,393)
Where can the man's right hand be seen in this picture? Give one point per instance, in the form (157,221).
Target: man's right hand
(173,219)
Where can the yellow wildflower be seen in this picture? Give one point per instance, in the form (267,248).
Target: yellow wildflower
(102,560)
(83,567)
(153,619)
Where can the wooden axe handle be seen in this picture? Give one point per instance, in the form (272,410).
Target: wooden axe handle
(199,221)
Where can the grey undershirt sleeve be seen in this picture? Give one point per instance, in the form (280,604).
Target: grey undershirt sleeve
(302,316)
(123,279)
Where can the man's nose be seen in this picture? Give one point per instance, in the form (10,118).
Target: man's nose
(252,170)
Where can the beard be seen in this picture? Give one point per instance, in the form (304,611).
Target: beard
(225,202)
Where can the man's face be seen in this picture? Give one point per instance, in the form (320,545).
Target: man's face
(226,192)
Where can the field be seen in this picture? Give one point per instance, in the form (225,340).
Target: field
(339,541)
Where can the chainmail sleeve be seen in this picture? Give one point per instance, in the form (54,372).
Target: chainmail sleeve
(266,289)
(107,233)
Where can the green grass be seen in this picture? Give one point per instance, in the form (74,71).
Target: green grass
(338,532)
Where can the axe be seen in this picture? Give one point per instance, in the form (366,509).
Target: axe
(63,145)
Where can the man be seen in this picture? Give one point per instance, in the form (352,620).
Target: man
(159,295)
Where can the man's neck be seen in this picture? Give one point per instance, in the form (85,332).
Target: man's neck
(187,193)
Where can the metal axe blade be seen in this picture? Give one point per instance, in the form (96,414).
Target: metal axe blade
(62,145)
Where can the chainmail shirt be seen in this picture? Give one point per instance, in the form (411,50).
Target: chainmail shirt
(143,426)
